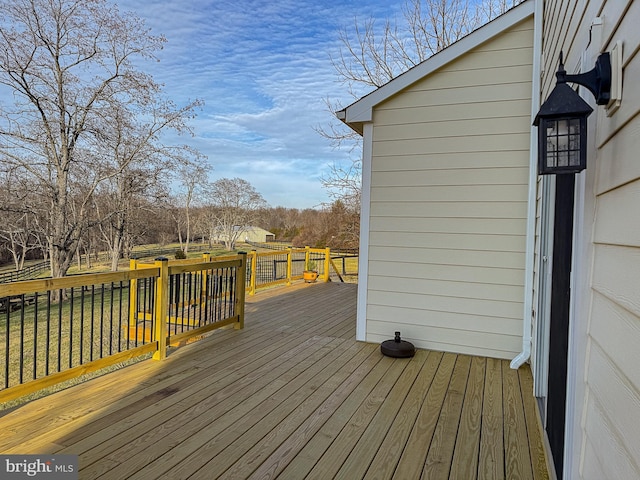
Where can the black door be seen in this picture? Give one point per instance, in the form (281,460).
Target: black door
(559,322)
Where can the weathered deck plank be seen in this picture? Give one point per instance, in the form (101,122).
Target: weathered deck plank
(292,396)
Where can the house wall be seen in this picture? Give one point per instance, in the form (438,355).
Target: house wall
(448,211)
(604,381)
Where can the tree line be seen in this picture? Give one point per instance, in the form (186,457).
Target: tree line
(170,220)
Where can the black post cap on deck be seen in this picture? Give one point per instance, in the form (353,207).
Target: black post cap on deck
(397,348)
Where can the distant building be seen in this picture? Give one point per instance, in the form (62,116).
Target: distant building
(245,234)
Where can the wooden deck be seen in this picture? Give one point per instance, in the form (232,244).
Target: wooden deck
(292,396)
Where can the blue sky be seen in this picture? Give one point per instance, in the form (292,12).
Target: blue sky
(263,69)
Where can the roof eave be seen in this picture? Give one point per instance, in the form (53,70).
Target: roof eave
(361,111)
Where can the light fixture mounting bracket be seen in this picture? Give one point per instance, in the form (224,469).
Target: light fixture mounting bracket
(596,80)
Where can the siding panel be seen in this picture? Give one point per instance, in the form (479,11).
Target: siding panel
(445,113)
(480,226)
(469,143)
(448,161)
(613,393)
(607,450)
(619,229)
(432,127)
(616,331)
(449,185)
(503,243)
(517,210)
(429,257)
(415,286)
(458,193)
(469,176)
(617,161)
(616,275)
(449,272)
(485,94)
(449,320)
(449,303)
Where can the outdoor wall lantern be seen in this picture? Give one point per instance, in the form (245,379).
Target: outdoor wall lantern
(562,119)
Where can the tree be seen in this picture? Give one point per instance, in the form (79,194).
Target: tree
(141,164)
(371,56)
(70,66)
(234,204)
(193,178)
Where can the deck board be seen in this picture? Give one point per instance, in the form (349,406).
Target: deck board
(292,396)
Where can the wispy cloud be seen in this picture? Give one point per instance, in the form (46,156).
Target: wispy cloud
(262,68)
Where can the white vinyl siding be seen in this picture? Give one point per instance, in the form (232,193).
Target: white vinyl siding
(606,409)
(448,207)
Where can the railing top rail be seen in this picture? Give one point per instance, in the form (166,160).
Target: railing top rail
(273,253)
(45,284)
(194,267)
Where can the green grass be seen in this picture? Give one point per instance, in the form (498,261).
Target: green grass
(76,333)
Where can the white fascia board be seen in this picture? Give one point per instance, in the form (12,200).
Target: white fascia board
(362,110)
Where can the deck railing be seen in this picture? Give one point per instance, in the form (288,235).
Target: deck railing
(52,330)
(282,267)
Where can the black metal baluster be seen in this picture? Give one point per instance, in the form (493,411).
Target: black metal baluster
(111,321)
(101,320)
(151,288)
(48,347)
(35,335)
(82,325)
(7,345)
(190,296)
(93,320)
(71,328)
(120,316)
(60,300)
(21,375)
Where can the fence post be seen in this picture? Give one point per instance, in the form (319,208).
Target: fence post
(327,264)
(254,272)
(289,265)
(162,304)
(241,285)
(133,295)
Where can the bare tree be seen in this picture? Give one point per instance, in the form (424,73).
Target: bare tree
(234,204)
(140,164)
(193,178)
(372,54)
(70,65)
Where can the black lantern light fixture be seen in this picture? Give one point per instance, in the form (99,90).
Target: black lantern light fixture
(562,119)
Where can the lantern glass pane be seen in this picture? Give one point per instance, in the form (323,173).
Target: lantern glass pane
(563,142)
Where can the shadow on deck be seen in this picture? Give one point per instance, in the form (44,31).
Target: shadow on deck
(293,396)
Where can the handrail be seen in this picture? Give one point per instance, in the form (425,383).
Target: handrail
(55,329)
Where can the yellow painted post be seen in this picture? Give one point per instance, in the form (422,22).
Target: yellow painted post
(289,265)
(133,295)
(306,256)
(327,264)
(254,266)
(162,304)
(241,285)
